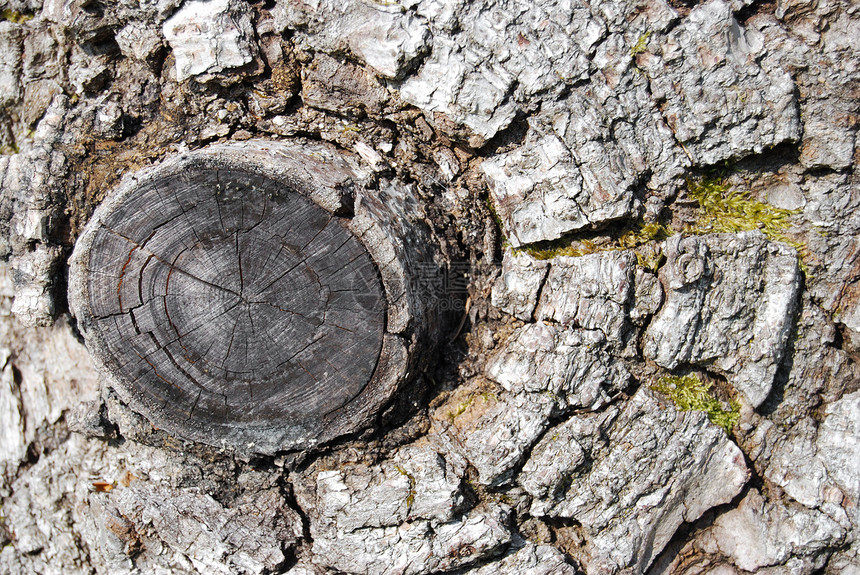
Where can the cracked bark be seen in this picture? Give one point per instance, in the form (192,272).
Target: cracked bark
(394,122)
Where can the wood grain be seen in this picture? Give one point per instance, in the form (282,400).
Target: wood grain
(225,299)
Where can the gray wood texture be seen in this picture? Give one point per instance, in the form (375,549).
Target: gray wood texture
(230,298)
(257,296)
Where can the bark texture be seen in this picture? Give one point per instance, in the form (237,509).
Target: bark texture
(608,318)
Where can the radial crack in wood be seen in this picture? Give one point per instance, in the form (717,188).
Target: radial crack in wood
(225,303)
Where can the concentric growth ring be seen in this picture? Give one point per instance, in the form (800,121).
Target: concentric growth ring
(225,304)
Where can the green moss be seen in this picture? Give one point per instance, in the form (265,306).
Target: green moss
(727,210)
(560,247)
(461,409)
(487,396)
(642,235)
(9,150)
(689,392)
(632,238)
(492,209)
(650,259)
(641,45)
(410,497)
(721,210)
(386,3)
(15,17)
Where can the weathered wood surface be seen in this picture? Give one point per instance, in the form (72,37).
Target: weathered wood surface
(230,308)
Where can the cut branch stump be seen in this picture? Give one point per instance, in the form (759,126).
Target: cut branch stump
(257,295)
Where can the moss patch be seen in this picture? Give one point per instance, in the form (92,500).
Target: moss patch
(460,410)
(689,392)
(9,150)
(410,497)
(495,215)
(631,238)
(725,210)
(14,16)
(464,406)
(721,210)
(641,45)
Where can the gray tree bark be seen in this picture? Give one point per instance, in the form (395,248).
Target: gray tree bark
(429,286)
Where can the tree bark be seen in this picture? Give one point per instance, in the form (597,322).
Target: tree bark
(429,286)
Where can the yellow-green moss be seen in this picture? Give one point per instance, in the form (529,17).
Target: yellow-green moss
(410,497)
(492,209)
(689,392)
(9,150)
(721,210)
(560,247)
(641,45)
(727,210)
(643,234)
(632,238)
(650,259)
(14,16)
(487,396)
(461,409)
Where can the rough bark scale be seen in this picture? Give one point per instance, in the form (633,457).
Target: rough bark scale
(531,147)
